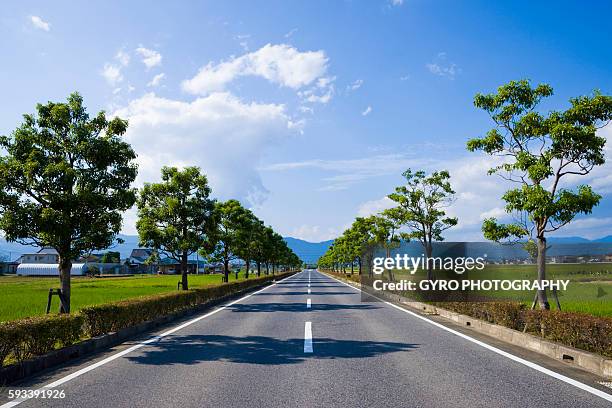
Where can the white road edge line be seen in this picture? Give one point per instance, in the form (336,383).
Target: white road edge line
(115,356)
(520,360)
(308,337)
(308,303)
(309,291)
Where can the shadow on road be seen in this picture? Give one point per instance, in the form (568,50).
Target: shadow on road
(303,293)
(297,307)
(194,349)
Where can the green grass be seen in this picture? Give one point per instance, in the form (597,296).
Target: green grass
(24,296)
(589,291)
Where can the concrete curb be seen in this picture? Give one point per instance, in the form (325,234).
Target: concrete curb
(585,360)
(14,373)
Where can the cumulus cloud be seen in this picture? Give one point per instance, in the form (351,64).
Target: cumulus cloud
(223,135)
(112,74)
(123,57)
(150,58)
(156,80)
(280,64)
(39,23)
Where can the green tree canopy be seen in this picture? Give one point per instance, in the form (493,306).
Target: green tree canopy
(65,181)
(175,216)
(422,201)
(232,221)
(538,151)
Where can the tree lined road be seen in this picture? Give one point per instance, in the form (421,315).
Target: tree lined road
(256,352)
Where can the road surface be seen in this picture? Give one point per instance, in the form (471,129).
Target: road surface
(308,341)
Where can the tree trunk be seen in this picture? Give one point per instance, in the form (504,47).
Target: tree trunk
(542,297)
(246,274)
(352,267)
(226,270)
(184,270)
(267,268)
(428,252)
(359,266)
(258,269)
(65,266)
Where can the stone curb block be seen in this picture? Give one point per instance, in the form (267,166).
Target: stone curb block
(13,373)
(583,359)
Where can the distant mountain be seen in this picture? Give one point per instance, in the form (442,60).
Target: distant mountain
(308,252)
(568,240)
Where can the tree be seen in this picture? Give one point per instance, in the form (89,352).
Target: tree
(539,151)
(249,239)
(65,182)
(260,246)
(111,257)
(232,222)
(421,203)
(175,216)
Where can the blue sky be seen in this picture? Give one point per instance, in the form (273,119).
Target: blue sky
(309,111)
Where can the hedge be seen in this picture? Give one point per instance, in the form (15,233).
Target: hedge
(26,338)
(22,339)
(580,330)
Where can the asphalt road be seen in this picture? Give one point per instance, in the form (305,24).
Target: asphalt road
(256,353)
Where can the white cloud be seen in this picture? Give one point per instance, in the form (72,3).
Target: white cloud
(150,58)
(397,2)
(442,67)
(291,32)
(375,206)
(353,171)
(367,111)
(156,80)
(314,233)
(404,77)
(355,85)
(280,64)
(39,23)
(112,74)
(123,57)
(223,135)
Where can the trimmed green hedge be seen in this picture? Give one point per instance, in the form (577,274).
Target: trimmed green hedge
(580,330)
(26,338)
(22,339)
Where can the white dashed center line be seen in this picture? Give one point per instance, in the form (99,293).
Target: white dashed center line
(308,337)
(308,304)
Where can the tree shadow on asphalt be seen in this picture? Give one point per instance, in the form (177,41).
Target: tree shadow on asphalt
(194,349)
(297,307)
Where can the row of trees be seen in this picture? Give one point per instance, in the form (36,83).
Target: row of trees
(419,215)
(544,154)
(66,180)
(177,217)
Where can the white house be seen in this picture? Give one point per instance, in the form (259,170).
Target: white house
(45,255)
